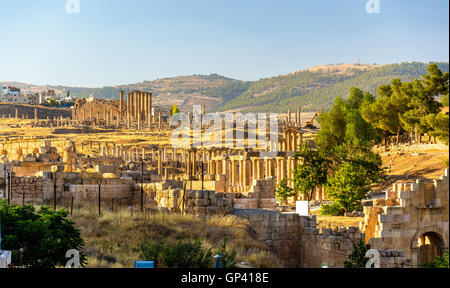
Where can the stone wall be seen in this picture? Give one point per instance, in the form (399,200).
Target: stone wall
(170,195)
(27,189)
(7,110)
(410,214)
(261,195)
(297,241)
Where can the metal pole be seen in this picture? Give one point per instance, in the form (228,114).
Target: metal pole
(203,187)
(71,206)
(9,188)
(99,199)
(54,191)
(142,187)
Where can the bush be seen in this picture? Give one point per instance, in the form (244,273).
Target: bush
(440,262)
(185,254)
(331,210)
(357,259)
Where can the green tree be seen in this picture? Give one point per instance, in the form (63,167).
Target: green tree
(384,113)
(311,173)
(436,83)
(345,124)
(45,235)
(357,259)
(175,109)
(348,187)
(439,124)
(283,191)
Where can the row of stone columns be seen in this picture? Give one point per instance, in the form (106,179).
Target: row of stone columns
(241,171)
(292,139)
(296,120)
(139,108)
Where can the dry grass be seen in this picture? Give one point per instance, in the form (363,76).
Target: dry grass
(338,221)
(118,235)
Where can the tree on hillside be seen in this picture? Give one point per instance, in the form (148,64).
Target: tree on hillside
(436,83)
(311,173)
(384,113)
(45,235)
(345,124)
(175,109)
(421,104)
(439,124)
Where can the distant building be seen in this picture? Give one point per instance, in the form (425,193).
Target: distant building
(12,95)
(12,91)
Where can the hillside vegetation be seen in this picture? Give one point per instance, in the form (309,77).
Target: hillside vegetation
(313,89)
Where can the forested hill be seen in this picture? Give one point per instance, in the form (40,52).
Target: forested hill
(313,89)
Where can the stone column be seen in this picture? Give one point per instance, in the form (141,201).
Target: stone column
(133,106)
(35,114)
(121,105)
(160,120)
(256,168)
(150,117)
(160,163)
(246,173)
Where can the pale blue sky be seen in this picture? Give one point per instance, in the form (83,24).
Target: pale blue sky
(116,41)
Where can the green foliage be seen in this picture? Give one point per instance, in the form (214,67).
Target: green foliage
(313,91)
(347,188)
(284,191)
(345,124)
(53,103)
(321,93)
(384,113)
(175,109)
(440,262)
(357,259)
(45,235)
(444,100)
(331,210)
(185,254)
(407,106)
(439,124)
(228,258)
(312,172)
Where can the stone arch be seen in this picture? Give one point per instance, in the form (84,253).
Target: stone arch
(429,243)
(424,230)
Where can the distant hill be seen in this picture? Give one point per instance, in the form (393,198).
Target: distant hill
(312,89)
(315,89)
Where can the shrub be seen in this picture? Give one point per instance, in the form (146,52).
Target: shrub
(357,259)
(440,262)
(185,254)
(331,210)
(227,257)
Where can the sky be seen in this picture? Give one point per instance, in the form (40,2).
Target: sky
(112,42)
